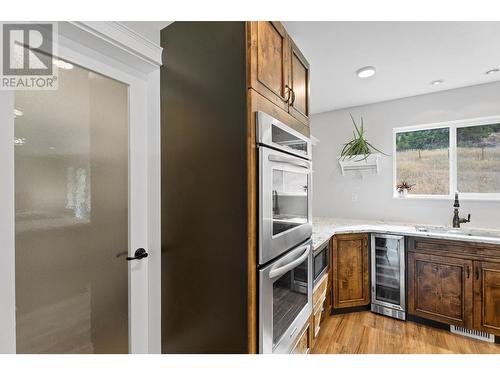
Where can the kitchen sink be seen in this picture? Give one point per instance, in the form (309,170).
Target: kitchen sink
(459,231)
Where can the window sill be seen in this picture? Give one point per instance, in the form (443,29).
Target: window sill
(462,197)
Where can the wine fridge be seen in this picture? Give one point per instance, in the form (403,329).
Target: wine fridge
(388,275)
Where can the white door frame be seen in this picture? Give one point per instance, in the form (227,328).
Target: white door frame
(124,61)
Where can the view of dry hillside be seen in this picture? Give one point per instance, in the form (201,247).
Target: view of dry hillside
(478,170)
(429,172)
(422,159)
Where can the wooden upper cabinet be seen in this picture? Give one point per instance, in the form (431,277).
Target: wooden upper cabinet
(440,288)
(487,297)
(269,61)
(277,69)
(299,83)
(351,285)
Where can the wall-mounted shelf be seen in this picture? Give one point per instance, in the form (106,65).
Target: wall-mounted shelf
(356,163)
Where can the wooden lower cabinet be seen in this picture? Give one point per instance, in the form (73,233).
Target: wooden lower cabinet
(455,282)
(317,317)
(319,291)
(350,258)
(304,343)
(440,288)
(487,297)
(319,299)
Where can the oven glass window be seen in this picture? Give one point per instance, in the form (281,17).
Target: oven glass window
(287,140)
(290,191)
(289,298)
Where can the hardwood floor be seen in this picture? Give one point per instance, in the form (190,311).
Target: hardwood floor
(369,333)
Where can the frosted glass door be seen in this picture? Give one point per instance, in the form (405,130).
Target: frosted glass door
(71,207)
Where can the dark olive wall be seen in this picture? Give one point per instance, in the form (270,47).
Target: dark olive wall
(204,212)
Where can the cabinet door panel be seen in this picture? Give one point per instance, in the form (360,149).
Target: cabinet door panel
(303,344)
(440,288)
(350,271)
(487,297)
(269,60)
(299,82)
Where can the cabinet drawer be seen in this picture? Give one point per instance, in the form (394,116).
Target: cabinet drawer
(319,292)
(303,344)
(318,312)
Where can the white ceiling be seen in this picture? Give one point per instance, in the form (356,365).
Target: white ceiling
(407,55)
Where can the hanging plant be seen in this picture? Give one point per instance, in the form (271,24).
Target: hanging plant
(358,145)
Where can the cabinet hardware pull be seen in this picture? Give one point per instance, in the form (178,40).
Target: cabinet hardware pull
(477,273)
(293,97)
(468,272)
(288,92)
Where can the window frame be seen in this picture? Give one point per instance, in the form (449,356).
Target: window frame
(453,167)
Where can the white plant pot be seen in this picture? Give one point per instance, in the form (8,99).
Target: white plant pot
(403,193)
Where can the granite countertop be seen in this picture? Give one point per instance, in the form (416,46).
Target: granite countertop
(324,228)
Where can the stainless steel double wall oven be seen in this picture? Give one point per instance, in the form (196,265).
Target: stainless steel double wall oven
(285,229)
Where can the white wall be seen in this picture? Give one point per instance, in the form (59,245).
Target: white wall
(333,193)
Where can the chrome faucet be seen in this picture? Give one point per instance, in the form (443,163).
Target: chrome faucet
(456,218)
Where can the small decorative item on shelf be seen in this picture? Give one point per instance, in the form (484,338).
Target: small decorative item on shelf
(403,188)
(357,154)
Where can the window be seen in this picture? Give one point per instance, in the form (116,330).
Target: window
(423,160)
(440,159)
(478,159)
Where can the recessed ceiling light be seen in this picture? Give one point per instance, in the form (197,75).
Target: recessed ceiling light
(437,82)
(492,71)
(18,112)
(366,71)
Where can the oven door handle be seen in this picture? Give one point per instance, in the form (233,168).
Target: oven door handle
(287,160)
(280,271)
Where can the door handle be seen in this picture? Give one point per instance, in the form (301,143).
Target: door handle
(139,254)
(288,92)
(289,160)
(280,271)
